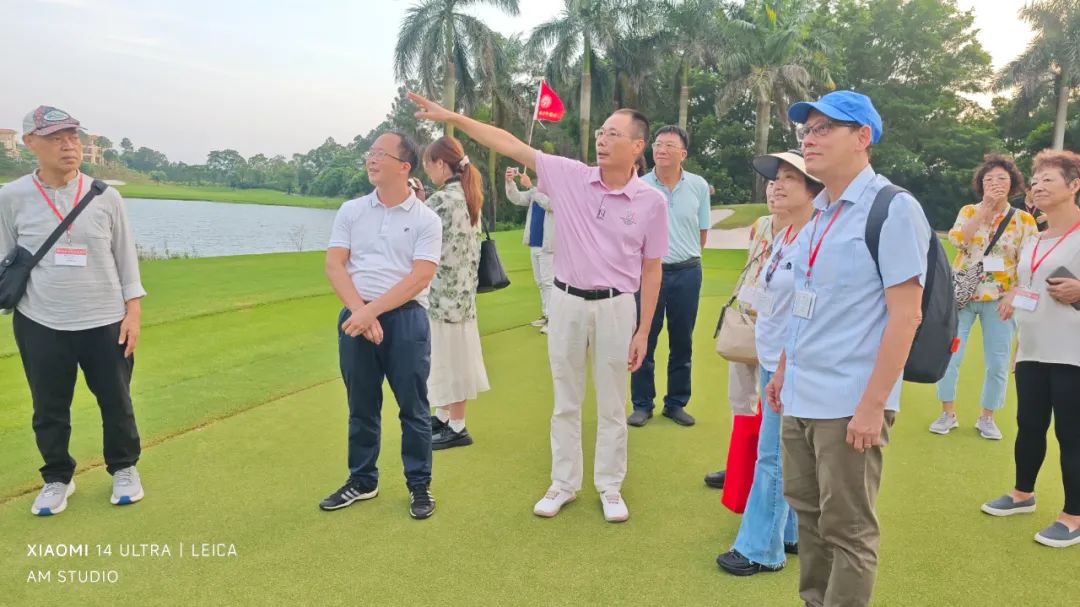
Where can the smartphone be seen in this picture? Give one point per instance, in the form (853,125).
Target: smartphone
(1064,272)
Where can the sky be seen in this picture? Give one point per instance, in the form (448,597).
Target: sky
(274,76)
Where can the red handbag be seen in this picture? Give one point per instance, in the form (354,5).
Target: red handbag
(742,457)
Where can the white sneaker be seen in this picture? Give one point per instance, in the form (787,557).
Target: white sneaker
(553,502)
(987,428)
(52,499)
(127,487)
(544,330)
(944,423)
(615,510)
(540,322)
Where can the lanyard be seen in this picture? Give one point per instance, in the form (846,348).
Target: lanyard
(1035,264)
(814,250)
(56,211)
(779,254)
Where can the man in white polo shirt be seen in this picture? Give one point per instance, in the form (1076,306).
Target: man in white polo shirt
(610,234)
(384,249)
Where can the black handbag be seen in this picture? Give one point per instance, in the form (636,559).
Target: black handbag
(490,275)
(16,266)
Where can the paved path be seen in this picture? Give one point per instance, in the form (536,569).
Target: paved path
(739,238)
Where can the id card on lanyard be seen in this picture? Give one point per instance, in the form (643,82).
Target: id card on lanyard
(805,299)
(69,255)
(1027,299)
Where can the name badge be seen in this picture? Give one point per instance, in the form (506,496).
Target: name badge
(765,303)
(73,255)
(1026,300)
(994,264)
(748,295)
(803,306)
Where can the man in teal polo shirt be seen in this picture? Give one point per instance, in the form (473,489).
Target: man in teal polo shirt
(688,226)
(851,331)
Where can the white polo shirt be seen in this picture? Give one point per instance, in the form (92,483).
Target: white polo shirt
(384,242)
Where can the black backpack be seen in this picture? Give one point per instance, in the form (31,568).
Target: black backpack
(935,340)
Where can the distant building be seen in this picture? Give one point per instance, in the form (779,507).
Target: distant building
(7,143)
(92,153)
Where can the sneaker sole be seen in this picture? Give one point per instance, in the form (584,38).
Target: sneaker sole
(125,500)
(680,422)
(544,514)
(987,508)
(989,436)
(622,519)
(360,498)
(426,516)
(461,442)
(58,509)
(1045,541)
(945,431)
(748,572)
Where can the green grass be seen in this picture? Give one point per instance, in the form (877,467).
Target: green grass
(744,215)
(243,418)
(221,194)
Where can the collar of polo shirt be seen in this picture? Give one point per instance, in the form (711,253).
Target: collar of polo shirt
(631,188)
(407,205)
(854,191)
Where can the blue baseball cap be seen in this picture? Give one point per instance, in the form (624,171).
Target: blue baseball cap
(848,106)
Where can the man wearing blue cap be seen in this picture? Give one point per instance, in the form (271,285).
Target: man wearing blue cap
(853,323)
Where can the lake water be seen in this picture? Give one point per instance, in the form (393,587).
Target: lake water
(213,229)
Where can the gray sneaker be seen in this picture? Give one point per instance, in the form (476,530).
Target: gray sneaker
(987,428)
(52,499)
(1058,536)
(126,487)
(944,423)
(1005,506)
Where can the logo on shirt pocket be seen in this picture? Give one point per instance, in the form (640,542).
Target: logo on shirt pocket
(629,218)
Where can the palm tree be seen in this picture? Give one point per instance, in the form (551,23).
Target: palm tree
(581,30)
(1051,62)
(695,32)
(773,59)
(435,29)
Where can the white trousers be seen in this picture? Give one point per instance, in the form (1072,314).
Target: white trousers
(743,388)
(543,266)
(604,329)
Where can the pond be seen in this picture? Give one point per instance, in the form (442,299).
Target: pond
(165,228)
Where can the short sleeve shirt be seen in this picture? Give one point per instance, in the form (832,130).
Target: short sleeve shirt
(601,234)
(688,214)
(384,242)
(830,356)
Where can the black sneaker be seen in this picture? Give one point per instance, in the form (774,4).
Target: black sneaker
(422,503)
(791,548)
(447,438)
(679,416)
(349,493)
(716,479)
(437,425)
(735,563)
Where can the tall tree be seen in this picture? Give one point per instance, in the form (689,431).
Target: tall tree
(1051,62)
(774,59)
(435,30)
(695,31)
(582,30)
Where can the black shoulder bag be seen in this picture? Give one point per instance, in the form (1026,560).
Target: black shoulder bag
(490,275)
(16,266)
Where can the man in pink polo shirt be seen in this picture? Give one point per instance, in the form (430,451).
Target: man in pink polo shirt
(611,233)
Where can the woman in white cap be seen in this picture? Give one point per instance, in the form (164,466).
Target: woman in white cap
(769,528)
(457,361)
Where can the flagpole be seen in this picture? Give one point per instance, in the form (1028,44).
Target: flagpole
(536,111)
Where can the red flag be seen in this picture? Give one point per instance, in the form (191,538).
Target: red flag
(548,105)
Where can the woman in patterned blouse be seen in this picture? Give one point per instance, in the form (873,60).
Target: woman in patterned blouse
(995,181)
(457,362)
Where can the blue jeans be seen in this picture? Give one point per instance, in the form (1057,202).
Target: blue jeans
(680,291)
(997,341)
(404,359)
(768,523)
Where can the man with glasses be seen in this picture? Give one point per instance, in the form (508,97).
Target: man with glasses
(611,232)
(81,309)
(384,249)
(852,326)
(688,227)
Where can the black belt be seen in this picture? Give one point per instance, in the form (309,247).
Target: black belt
(693,262)
(587,294)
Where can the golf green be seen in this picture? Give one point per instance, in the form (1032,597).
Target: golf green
(243,419)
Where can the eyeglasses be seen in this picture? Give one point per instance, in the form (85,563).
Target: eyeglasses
(610,133)
(821,128)
(663,145)
(379,155)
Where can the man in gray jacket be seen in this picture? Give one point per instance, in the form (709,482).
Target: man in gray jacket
(539,236)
